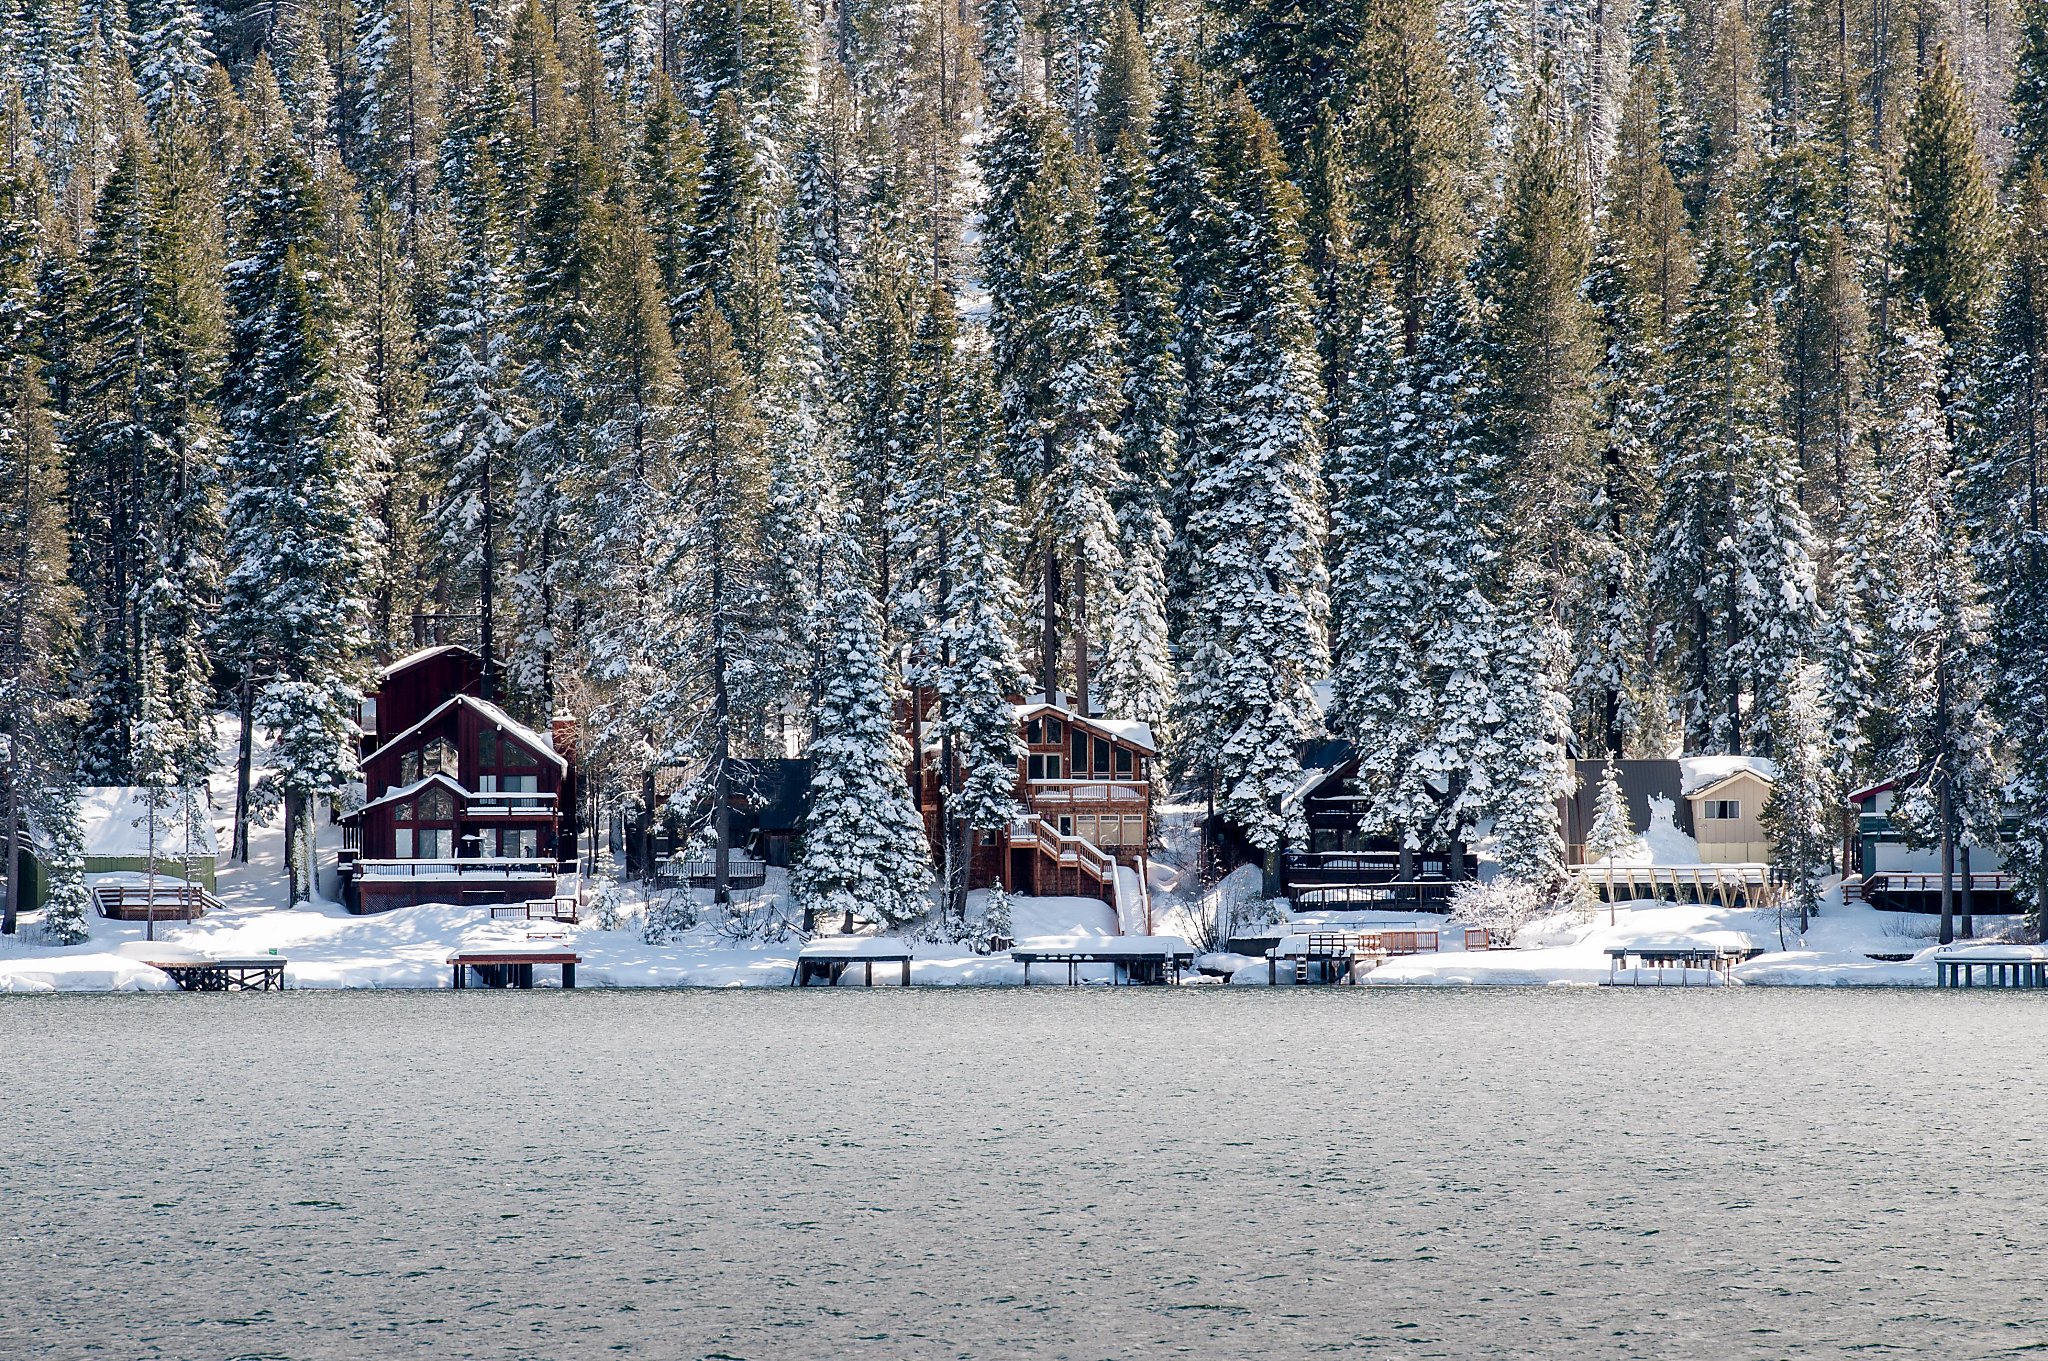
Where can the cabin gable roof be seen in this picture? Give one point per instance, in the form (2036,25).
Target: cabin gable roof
(491,713)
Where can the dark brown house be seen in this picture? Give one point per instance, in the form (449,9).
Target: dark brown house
(462,802)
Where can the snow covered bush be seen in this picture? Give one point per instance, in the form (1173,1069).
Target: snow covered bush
(996,920)
(1502,905)
(668,916)
(606,913)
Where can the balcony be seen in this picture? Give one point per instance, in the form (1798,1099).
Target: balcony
(477,868)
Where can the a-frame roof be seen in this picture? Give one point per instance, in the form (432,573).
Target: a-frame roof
(1126,731)
(504,722)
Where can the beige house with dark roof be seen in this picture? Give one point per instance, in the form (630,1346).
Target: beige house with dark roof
(1725,796)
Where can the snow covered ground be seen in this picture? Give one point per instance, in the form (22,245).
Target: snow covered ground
(1569,951)
(325,947)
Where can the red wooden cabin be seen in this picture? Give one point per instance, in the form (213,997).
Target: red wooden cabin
(463,803)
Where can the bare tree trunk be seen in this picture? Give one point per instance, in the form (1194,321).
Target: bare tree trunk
(1049,627)
(487,590)
(10,916)
(1968,901)
(1948,864)
(1081,638)
(646,836)
(244,763)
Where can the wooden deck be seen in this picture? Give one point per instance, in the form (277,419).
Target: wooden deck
(1990,895)
(1334,956)
(173,900)
(561,908)
(1724,886)
(828,958)
(1716,957)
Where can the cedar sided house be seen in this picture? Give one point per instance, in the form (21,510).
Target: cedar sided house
(462,802)
(1085,784)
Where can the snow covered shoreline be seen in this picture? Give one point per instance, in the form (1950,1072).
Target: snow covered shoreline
(327,948)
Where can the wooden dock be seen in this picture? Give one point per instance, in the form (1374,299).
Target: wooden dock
(264,973)
(2020,966)
(827,959)
(510,968)
(1154,960)
(1715,954)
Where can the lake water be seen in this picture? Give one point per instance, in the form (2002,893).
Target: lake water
(997,1174)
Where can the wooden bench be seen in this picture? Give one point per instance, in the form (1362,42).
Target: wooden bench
(510,968)
(561,909)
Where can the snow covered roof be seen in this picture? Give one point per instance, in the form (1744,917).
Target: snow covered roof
(520,733)
(114,821)
(1303,787)
(1103,945)
(1698,774)
(1125,730)
(394,795)
(415,658)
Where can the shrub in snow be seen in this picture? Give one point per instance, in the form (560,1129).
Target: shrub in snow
(1502,905)
(605,902)
(996,920)
(668,916)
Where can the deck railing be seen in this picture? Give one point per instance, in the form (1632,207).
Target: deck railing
(457,867)
(1929,882)
(1068,849)
(170,899)
(1424,895)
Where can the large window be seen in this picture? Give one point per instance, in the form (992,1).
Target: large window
(498,753)
(441,758)
(1042,767)
(508,784)
(426,826)
(510,843)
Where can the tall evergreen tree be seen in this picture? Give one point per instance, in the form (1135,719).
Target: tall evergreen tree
(1255,505)
(37,602)
(471,411)
(864,850)
(297,528)
(1947,229)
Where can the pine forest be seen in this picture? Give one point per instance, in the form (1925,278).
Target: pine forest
(1485,386)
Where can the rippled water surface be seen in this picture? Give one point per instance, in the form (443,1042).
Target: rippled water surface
(1084,1174)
